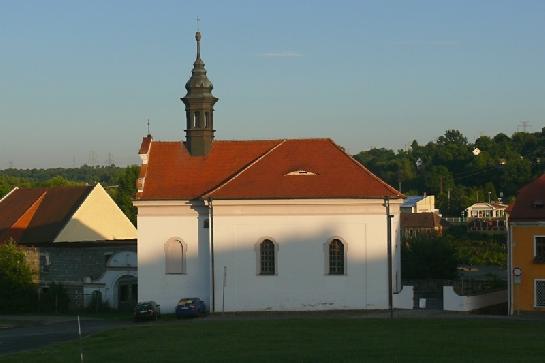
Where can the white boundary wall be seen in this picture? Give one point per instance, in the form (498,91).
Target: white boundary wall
(404,299)
(454,302)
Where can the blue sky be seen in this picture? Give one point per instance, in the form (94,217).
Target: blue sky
(80,78)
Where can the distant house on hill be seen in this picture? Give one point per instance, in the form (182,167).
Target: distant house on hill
(486,217)
(74,236)
(526,243)
(419,204)
(420,224)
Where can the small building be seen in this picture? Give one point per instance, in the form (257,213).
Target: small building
(419,204)
(526,249)
(486,217)
(420,224)
(76,237)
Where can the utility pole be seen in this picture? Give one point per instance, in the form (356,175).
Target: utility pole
(389,242)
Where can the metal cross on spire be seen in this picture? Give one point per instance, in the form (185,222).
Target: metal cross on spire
(198,21)
(148,127)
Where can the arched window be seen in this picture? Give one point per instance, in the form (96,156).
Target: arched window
(196,119)
(336,257)
(175,252)
(267,257)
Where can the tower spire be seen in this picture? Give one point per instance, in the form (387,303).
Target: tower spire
(199,107)
(198,39)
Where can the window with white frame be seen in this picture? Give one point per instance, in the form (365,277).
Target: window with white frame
(539,248)
(539,293)
(267,257)
(175,255)
(336,252)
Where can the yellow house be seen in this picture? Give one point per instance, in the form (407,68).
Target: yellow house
(527,249)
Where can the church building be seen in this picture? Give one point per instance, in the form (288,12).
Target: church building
(260,225)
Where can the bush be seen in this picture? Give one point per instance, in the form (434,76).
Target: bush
(54,300)
(428,258)
(17,292)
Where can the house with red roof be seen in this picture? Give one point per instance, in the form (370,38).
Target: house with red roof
(260,225)
(526,249)
(74,236)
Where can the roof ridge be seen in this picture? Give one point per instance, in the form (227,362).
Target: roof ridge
(388,186)
(9,193)
(208,194)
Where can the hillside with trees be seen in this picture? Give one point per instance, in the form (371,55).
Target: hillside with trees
(460,173)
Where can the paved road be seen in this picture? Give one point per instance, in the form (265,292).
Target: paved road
(31,336)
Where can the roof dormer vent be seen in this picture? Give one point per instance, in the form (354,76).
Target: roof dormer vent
(538,203)
(301,172)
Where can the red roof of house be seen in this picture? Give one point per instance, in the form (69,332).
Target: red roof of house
(419,220)
(268,169)
(530,201)
(38,215)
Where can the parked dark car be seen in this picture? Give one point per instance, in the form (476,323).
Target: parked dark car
(148,310)
(190,307)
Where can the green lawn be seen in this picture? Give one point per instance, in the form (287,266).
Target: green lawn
(308,340)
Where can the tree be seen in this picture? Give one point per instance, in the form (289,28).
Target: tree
(428,258)
(126,191)
(16,288)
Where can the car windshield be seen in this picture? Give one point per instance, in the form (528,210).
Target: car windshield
(187,301)
(144,306)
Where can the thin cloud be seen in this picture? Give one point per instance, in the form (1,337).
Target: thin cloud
(429,44)
(281,54)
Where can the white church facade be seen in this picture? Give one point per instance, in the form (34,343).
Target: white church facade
(279,225)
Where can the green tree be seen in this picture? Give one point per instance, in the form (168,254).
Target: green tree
(16,288)
(428,258)
(126,191)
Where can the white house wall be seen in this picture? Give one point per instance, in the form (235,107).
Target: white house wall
(97,218)
(157,225)
(300,230)
(301,282)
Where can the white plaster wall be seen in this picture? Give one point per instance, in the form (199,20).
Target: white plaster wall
(404,299)
(301,282)
(98,218)
(106,284)
(155,227)
(454,302)
(300,229)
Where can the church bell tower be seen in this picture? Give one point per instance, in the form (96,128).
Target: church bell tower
(199,108)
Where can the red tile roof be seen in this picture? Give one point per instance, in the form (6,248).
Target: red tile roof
(530,201)
(172,173)
(38,215)
(259,170)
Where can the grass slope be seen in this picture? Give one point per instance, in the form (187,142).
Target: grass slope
(308,340)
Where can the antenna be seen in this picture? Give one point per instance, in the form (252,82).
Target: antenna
(148,127)
(524,125)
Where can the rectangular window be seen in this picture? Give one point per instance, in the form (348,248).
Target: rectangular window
(44,263)
(539,249)
(539,293)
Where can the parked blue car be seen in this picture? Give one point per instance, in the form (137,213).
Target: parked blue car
(190,308)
